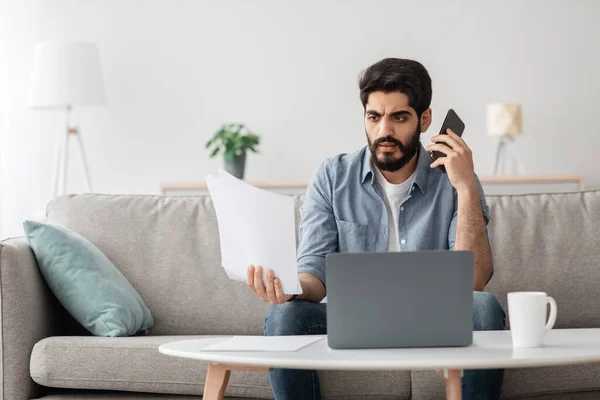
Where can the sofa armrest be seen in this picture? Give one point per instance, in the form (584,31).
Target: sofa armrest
(29,312)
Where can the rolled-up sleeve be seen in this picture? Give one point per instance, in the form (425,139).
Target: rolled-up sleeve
(318,234)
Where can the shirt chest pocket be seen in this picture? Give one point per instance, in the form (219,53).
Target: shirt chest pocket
(352,237)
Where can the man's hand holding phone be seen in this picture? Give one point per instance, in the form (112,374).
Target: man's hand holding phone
(270,291)
(458,160)
(451,154)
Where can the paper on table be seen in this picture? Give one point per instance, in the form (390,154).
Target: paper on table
(255,227)
(264,343)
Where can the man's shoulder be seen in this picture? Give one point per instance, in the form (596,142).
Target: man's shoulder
(342,164)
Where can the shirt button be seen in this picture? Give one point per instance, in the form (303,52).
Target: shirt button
(403,241)
(401,208)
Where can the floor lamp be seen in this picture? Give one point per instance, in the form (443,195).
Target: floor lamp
(505,122)
(67,75)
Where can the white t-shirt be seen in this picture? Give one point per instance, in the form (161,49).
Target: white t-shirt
(395,195)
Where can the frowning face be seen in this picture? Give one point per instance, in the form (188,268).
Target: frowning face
(393,129)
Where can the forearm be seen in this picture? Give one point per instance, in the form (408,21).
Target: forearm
(313,289)
(471,235)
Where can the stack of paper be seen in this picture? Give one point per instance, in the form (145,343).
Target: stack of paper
(264,343)
(255,227)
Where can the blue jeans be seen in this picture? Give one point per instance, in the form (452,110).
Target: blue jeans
(304,318)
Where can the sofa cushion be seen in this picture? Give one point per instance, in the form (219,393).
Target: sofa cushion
(86,283)
(549,243)
(521,383)
(129,364)
(97,363)
(70,394)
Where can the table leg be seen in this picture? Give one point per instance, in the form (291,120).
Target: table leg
(217,378)
(452,377)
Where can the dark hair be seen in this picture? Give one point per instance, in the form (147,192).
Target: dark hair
(398,75)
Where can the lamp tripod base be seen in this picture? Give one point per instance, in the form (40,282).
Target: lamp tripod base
(62,161)
(506,149)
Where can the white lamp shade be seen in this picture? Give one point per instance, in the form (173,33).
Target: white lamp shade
(504,119)
(66,74)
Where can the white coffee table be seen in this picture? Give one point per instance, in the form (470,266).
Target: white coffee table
(490,350)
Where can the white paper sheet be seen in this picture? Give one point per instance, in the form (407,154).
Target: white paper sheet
(255,227)
(264,343)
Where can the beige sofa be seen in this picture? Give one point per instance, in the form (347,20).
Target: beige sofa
(168,248)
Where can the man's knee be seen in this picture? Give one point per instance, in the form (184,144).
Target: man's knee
(488,314)
(294,318)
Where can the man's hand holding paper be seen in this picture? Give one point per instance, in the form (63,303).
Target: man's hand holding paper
(270,290)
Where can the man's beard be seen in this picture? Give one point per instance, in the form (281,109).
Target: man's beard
(389,161)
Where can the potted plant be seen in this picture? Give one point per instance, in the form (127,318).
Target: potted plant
(233,140)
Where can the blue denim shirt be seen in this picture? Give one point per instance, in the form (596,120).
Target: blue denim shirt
(344,211)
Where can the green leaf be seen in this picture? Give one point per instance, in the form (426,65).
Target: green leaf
(233,139)
(215,152)
(229,156)
(229,148)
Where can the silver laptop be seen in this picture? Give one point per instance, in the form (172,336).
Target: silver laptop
(406,299)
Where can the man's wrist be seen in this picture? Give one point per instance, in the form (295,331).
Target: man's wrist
(468,190)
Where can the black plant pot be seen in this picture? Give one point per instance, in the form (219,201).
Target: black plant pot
(237,166)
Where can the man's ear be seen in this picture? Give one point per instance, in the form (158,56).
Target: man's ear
(426,120)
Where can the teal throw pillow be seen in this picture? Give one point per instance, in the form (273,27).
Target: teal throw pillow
(86,282)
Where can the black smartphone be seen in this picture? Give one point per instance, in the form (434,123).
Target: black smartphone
(452,121)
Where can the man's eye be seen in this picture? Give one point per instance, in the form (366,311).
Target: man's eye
(399,118)
(372,117)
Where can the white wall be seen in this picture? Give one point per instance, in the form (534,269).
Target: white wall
(174,71)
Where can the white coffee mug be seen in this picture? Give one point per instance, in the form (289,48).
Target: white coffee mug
(527,315)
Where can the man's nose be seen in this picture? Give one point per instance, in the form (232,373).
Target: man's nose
(385,129)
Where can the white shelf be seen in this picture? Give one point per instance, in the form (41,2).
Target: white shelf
(492,185)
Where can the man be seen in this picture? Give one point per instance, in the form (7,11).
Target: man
(388,196)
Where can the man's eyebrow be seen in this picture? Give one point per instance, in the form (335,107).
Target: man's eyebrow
(401,112)
(394,114)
